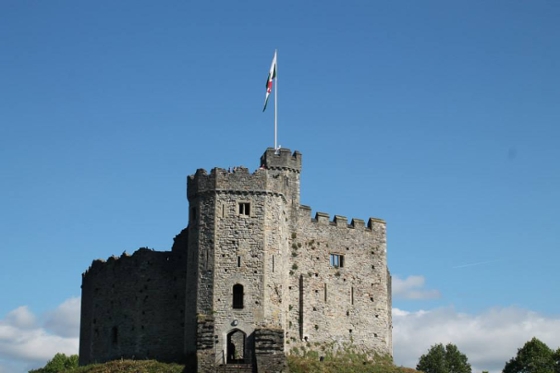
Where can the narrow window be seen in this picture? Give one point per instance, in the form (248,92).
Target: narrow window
(337,260)
(352,295)
(223,211)
(244,208)
(273,263)
(239,261)
(115,335)
(325,293)
(193,214)
(237,296)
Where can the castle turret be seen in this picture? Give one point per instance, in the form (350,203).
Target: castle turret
(238,232)
(282,163)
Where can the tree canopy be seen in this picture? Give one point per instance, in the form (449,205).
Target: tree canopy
(534,357)
(440,359)
(59,363)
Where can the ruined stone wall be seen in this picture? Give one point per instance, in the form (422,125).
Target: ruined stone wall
(344,304)
(133,307)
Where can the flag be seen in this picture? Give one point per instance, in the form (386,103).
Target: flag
(271,77)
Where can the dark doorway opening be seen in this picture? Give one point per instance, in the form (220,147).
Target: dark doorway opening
(236,341)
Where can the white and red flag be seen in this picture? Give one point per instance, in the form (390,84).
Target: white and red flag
(271,77)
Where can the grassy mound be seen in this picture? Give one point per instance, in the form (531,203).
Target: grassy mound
(346,363)
(298,364)
(123,366)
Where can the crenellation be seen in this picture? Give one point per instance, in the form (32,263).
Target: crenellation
(340,221)
(281,159)
(357,223)
(375,221)
(253,269)
(322,218)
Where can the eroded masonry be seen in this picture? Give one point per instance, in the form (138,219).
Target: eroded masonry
(253,277)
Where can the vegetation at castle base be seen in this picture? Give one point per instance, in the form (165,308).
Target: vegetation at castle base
(346,362)
(59,363)
(119,366)
(440,359)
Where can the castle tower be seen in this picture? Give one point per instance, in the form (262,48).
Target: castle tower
(238,234)
(252,278)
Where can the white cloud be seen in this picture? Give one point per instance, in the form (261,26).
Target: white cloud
(489,339)
(65,320)
(411,288)
(25,342)
(21,317)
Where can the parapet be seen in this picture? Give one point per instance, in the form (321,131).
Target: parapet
(143,255)
(339,220)
(282,159)
(219,179)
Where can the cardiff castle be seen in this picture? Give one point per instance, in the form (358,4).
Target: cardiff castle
(252,278)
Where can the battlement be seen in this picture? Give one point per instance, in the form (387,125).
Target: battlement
(140,256)
(282,159)
(238,179)
(339,220)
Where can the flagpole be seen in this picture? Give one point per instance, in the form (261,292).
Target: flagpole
(276,103)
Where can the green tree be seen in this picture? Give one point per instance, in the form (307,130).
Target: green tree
(440,359)
(533,357)
(59,363)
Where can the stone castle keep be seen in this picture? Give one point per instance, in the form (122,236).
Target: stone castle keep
(252,278)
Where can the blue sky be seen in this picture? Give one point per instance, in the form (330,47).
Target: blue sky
(439,117)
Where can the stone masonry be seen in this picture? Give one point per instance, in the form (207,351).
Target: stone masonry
(253,277)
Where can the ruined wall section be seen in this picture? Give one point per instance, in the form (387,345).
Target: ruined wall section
(342,304)
(133,307)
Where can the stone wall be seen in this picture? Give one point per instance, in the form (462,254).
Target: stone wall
(341,300)
(269,351)
(133,307)
(205,356)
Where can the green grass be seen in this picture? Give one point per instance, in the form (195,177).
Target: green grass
(128,366)
(348,363)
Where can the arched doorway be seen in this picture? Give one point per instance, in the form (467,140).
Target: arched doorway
(236,341)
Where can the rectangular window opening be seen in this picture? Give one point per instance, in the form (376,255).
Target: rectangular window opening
(193,214)
(238,296)
(273,263)
(239,261)
(337,260)
(115,335)
(352,295)
(244,208)
(325,293)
